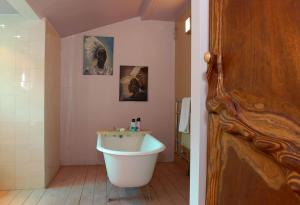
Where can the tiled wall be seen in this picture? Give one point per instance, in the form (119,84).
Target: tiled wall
(52,102)
(22,103)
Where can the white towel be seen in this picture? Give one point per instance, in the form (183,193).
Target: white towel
(185,115)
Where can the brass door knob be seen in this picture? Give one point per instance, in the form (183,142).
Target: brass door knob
(208,57)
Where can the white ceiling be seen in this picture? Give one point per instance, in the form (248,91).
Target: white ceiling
(75,16)
(6,8)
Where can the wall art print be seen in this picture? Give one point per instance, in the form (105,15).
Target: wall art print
(98,55)
(133,83)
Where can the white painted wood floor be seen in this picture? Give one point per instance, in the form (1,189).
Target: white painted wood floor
(85,185)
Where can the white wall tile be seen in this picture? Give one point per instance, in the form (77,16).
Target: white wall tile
(7,108)
(22,104)
(7,179)
(22,109)
(8,152)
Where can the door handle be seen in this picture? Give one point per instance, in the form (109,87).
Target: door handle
(210,58)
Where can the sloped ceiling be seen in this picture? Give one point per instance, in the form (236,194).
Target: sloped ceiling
(74,16)
(6,8)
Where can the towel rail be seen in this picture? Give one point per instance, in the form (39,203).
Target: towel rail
(178,142)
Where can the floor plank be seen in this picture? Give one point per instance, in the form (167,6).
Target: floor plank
(179,181)
(8,196)
(77,187)
(154,198)
(131,196)
(161,191)
(34,197)
(21,197)
(60,187)
(172,192)
(114,195)
(87,195)
(86,185)
(100,187)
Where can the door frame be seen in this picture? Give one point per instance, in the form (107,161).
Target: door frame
(200,39)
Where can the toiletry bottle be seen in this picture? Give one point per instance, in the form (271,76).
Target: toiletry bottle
(138,124)
(132,125)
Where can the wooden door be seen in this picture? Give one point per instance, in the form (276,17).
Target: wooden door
(254,103)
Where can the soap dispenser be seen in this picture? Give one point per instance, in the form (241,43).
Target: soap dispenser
(138,124)
(132,125)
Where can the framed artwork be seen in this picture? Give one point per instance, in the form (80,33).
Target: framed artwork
(133,83)
(98,55)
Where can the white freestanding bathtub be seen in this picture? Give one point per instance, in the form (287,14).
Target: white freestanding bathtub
(129,159)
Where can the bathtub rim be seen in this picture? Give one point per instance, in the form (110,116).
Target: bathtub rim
(127,153)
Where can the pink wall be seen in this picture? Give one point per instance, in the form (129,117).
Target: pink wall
(91,103)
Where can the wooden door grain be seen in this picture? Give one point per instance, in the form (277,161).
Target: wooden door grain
(254,102)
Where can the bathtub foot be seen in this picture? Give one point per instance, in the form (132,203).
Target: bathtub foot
(108,190)
(148,193)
